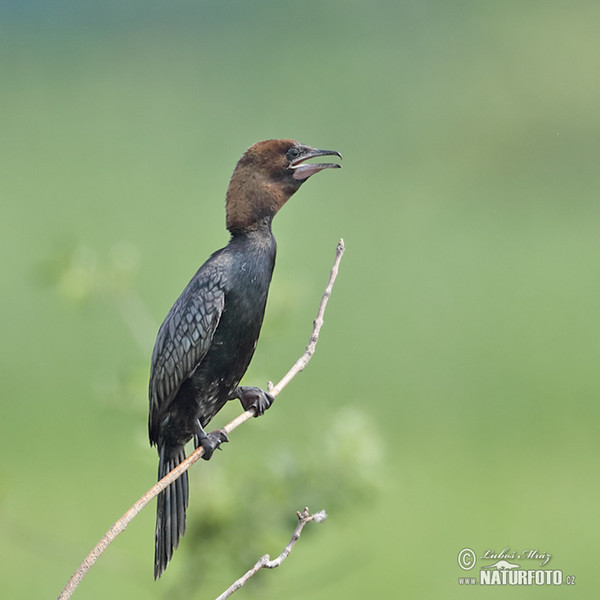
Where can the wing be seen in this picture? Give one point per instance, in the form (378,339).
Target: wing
(183,340)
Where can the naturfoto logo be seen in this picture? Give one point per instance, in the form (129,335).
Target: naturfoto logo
(510,568)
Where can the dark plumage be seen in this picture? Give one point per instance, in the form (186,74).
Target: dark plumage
(207,340)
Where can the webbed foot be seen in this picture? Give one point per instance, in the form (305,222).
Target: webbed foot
(210,441)
(254,398)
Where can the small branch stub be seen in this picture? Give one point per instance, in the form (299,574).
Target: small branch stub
(265,562)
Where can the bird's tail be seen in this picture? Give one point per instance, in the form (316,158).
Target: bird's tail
(170,509)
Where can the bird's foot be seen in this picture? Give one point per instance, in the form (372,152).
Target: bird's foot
(210,441)
(254,398)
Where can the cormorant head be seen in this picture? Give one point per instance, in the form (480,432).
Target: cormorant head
(265,178)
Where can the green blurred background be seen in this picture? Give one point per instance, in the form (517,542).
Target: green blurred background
(453,399)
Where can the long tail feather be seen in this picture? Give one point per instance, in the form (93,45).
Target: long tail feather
(170,509)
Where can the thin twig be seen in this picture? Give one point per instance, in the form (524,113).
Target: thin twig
(122,523)
(265,561)
(317,324)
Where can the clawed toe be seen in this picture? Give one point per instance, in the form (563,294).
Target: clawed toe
(211,442)
(256,399)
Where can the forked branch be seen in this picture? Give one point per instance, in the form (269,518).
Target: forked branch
(265,561)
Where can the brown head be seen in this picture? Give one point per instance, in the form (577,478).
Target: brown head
(265,178)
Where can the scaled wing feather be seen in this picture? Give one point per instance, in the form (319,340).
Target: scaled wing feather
(183,340)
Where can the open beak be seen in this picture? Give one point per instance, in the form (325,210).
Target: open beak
(303,170)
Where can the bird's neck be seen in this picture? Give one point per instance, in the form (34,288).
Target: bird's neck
(259,235)
(260,228)
(251,203)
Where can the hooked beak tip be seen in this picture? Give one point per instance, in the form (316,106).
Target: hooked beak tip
(303,170)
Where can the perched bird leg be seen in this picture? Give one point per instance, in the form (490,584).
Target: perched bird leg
(209,441)
(253,398)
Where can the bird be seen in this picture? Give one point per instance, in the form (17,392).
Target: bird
(209,336)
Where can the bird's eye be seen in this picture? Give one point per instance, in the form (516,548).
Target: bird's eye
(293,153)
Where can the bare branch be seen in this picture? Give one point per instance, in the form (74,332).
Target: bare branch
(301,363)
(265,561)
(122,523)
